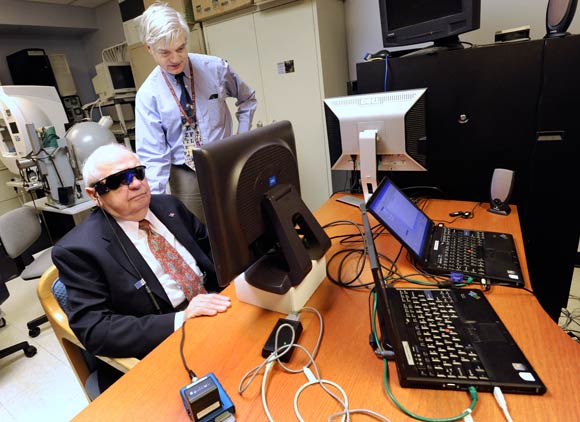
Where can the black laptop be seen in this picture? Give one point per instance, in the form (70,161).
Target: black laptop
(442,250)
(448,338)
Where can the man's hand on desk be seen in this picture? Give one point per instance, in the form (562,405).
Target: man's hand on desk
(207,304)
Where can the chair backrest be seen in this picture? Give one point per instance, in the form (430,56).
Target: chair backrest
(59,322)
(50,291)
(19,229)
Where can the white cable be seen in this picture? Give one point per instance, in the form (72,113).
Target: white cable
(312,375)
(343,403)
(311,356)
(264,401)
(500,399)
(368,412)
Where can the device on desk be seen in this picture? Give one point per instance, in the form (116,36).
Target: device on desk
(448,338)
(403,23)
(443,250)
(453,339)
(377,132)
(502,184)
(205,400)
(256,220)
(22,104)
(35,145)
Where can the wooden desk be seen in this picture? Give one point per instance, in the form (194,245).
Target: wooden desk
(229,345)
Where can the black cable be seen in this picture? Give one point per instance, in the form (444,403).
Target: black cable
(442,193)
(359,252)
(51,158)
(191,374)
(147,288)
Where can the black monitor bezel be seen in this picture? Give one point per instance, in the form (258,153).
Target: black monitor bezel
(268,249)
(442,30)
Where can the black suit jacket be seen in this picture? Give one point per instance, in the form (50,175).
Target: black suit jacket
(100,268)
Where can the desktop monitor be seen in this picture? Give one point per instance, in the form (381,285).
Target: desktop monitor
(405,22)
(384,131)
(257,223)
(114,79)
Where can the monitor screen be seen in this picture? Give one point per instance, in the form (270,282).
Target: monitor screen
(383,131)
(257,223)
(406,220)
(121,76)
(405,22)
(401,13)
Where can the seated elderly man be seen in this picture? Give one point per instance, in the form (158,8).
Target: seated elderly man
(137,266)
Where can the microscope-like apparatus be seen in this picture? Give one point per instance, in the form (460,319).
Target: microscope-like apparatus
(35,146)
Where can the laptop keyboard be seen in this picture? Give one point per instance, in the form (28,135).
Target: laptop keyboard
(440,350)
(463,251)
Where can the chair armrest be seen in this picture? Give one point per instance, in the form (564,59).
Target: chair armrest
(122,364)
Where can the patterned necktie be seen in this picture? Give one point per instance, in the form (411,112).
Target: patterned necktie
(172,262)
(184,98)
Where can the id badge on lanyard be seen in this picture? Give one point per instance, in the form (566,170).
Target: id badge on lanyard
(191,141)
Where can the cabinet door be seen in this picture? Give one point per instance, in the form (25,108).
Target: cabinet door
(292,80)
(235,41)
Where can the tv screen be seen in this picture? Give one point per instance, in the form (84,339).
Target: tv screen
(257,223)
(406,22)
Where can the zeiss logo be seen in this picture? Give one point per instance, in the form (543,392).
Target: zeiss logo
(370,101)
(272,181)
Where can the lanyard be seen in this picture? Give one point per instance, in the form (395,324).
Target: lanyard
(183,112)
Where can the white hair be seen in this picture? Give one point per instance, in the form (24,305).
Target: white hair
(162,23)
(106,154)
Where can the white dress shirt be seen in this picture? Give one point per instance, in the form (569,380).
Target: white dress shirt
(139,238)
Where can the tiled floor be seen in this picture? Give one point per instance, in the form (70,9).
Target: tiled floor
(44,388)
(41,388)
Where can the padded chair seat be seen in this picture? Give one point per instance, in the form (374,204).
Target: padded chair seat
(37,267)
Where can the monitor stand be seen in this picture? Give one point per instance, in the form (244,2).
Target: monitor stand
(367,140)
(291,301)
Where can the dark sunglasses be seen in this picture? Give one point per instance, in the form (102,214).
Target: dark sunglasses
(123,177)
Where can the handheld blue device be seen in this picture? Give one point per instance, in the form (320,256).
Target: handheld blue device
(205,400)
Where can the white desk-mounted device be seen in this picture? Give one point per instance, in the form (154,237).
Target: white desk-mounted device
(384,131)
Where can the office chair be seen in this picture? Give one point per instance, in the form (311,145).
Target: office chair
(53,298)
(28,350)
(19,230)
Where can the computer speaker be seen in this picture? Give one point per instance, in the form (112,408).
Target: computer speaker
(559,16)
(500,191)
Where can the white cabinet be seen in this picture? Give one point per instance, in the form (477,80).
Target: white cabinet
(235,41)
(294,56)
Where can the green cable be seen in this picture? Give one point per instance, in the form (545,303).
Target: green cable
(472,391)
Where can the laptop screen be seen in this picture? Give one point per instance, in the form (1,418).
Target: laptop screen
(400,216)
